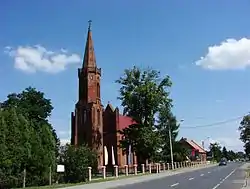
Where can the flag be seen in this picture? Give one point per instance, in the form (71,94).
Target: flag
(113,156)
(105,156)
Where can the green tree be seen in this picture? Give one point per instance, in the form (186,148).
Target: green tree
(31,138)
(215,149)
(143,140)
(17,148)
(142,92)
(76,161)
(232,155)
(224,152)
(245,133)
(168,122)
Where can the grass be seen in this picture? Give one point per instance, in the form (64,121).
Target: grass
(87,182)
(97,180)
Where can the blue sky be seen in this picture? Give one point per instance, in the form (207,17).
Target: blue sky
(170,36)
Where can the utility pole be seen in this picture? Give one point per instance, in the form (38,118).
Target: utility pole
(50,176)
(171,147)
(24,178)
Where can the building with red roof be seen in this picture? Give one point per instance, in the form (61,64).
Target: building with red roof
(195,151)
(91,124)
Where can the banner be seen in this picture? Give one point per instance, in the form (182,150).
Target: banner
(113,156)
(105,156)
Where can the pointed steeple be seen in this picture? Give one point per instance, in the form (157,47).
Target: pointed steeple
(89,54)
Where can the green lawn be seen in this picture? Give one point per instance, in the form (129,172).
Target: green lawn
(95,180)
(81,183)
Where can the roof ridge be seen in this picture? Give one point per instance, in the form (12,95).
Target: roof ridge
(197,144)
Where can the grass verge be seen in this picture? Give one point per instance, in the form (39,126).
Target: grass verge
(96,181)
(87,182)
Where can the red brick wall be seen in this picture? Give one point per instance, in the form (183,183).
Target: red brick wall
(109,133)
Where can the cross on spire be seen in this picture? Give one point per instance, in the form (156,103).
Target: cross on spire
(90,22)
(89,54)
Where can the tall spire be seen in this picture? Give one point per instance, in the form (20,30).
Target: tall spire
(89,54)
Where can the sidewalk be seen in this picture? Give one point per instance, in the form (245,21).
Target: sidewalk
(247,180)
(136,179)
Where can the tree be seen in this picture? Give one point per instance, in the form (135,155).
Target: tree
(142,92)
(245,133)
(32,141)
(215,149)
(167,121)
(232,155)
(143,140)
(76,161)
(224,152)
(16,146)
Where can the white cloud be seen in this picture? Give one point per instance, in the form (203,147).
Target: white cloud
(231,143)
(64,141)
(37,58)
(230,54)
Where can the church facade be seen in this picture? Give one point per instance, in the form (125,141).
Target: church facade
(91,123)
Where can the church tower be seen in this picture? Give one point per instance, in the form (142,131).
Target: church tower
(87,120)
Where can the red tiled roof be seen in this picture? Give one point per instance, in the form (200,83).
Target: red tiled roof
(195,146)
(125,121)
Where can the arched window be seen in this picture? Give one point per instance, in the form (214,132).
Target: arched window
(98,117)
(98,90)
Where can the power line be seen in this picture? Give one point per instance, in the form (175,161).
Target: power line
(214,124)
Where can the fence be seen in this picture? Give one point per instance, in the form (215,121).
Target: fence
(113,172)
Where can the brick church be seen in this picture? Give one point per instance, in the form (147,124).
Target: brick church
(91,123)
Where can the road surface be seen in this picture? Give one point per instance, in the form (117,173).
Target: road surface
(218,177)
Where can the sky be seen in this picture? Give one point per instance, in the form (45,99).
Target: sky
(204,46)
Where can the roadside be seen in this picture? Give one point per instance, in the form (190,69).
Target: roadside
(246,167)
(136,179)
(122,180)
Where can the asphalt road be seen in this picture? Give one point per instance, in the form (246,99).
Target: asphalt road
(218,177)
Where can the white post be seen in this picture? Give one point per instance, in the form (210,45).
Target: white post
(164,167)
(143,168)
(126,170)
(104,172)
(149,168)
(90,174)
(135,168)
(116,170)
(157,167)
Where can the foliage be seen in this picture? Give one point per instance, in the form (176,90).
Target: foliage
(143,140)
(245,133)
(167,122)
(179,152)
(224,152)
(215,149)
(232,155)
(76,161)
(28,139)
(142,92)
